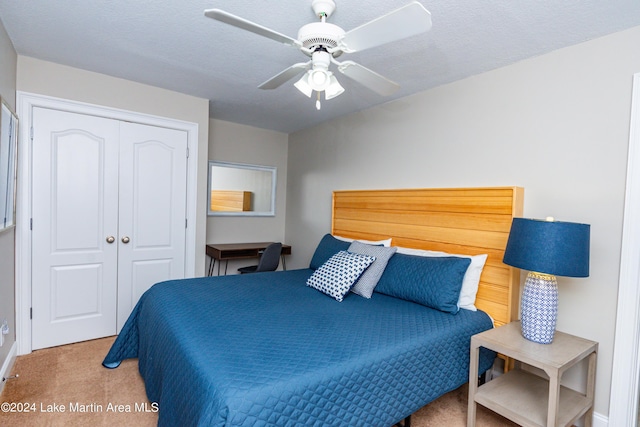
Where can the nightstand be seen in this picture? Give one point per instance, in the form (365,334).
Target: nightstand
(524,397)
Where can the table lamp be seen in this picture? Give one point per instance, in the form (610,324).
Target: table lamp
(546,248)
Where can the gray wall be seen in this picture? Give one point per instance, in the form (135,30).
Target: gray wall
(557,125)
(8,60)
(231,142)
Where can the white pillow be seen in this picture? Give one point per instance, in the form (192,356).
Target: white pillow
(385,243)
(471,277)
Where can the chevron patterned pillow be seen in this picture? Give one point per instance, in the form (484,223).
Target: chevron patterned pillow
(336,276)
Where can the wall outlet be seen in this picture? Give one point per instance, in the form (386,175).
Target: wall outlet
(4,330)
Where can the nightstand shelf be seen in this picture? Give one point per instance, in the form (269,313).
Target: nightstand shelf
(524,397)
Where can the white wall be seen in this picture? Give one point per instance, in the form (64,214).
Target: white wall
(557,125)
(8,61)
(47,78)
(231,142)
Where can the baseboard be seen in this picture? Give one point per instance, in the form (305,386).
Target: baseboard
(600,420)
(8,364)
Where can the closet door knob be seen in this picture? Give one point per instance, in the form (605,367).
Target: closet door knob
(111,239)
(125,240)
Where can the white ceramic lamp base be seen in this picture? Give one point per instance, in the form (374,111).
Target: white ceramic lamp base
(539,307)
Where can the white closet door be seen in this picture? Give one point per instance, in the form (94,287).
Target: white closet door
(152,222)
(75,210)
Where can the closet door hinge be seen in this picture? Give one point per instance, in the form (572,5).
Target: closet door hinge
(186,223)
(30,223)
(30,312)
(31,133)
(187,152)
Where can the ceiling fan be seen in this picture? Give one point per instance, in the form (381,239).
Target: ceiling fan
(324,42)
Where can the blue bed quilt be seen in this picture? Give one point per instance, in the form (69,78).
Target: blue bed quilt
(264,349)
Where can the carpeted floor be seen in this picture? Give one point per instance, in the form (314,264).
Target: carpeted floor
(71,378)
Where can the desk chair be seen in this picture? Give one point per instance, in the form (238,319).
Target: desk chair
(269,260)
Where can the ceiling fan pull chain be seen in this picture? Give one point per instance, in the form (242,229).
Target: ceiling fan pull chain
(318,101)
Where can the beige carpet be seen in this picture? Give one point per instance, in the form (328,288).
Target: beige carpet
(72,378)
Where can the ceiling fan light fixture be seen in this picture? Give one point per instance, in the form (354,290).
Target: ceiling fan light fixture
(319,79)
(303,85)
(319,75)
(334,89)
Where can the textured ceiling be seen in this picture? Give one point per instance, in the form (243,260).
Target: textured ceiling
(171,44)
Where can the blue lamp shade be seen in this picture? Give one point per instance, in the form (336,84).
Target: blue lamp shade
(546,249)
(550,247)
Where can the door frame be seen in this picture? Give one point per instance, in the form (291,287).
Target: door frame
(625,380)
(26,103)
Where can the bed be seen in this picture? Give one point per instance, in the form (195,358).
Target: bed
(266,349)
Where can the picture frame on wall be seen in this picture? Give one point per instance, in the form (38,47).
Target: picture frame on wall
(8,164)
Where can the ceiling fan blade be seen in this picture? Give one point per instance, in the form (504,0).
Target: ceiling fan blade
(368,78)
(285,76)
(407,21)
(236,21)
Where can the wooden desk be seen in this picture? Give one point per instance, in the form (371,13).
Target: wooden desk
(226,251)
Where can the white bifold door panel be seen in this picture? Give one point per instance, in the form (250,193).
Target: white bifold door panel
(75,209)
(153,181)
(109,209)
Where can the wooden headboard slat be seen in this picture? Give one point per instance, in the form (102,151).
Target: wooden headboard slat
(456,220)
(495,205)
(495,274)
(493,254)
(463,192)
(478,238)
(471,221)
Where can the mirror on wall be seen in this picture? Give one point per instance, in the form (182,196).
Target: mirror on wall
(237,189)
(8,151)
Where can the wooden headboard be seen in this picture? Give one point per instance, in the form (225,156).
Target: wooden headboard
(467,221)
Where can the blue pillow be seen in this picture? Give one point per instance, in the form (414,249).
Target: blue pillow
(328,247)
(431,281)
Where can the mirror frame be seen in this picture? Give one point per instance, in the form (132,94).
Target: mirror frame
(270,169)
(9,158)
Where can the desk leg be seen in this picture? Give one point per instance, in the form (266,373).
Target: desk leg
(284,263)
(473,384)
(212,264)
(225,267)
